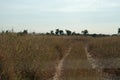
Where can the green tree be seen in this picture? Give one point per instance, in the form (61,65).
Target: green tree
(52,32)
(47,33)
(68,32)
(25,32)
(85,32)
(73,33)
(7,32)
(57,32)
(61,32)
(118,30)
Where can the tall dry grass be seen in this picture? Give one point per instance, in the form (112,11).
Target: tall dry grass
(107,47)
(107,52)
(76,65)
(30,57)
(34,57)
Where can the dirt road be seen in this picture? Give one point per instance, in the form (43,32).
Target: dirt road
(59,68)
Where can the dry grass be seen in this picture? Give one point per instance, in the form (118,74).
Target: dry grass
(76,65)
(30,57)
(107,47)
(107,52)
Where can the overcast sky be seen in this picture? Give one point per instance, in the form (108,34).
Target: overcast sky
(98,16)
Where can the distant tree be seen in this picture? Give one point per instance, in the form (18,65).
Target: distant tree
(68,32)
(94,35)
(47,33)
(22,33)
(118,30)
(25,32)
(73,33)
(33,33)
(85,32)
(61,32)
(52,32)
(57,32)
(7,31)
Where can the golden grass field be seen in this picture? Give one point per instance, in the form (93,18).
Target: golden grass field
(23,57)
(76,65)
(34,57)
(107,52)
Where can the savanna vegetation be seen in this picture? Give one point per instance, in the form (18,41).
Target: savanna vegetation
(25,56)
(76,65)
(106,51)
(30,57)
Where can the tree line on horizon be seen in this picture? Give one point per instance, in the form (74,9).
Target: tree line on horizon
(56,32)
(59,32)
(66,32)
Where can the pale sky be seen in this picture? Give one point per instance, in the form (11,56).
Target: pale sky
(98,16)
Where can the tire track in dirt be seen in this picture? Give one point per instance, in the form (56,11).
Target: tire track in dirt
(92,61)
(59,68)
(95,65)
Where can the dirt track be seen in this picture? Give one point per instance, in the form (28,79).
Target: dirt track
(59,68)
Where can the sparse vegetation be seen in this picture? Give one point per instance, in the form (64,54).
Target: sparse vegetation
(76,65)
(107,52)
(34,57)
(85,32)
(107,47)
(30,57)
